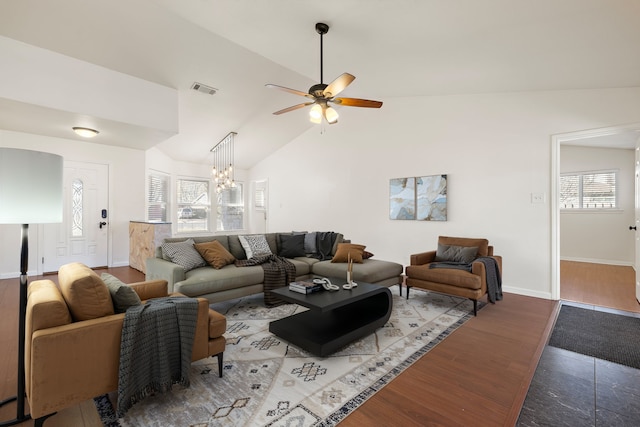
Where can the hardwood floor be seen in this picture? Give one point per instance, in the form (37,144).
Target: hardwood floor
(610,286)
(479,375)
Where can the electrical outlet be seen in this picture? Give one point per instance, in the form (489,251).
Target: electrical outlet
(537,197)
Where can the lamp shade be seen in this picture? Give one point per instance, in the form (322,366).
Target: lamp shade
(31,190)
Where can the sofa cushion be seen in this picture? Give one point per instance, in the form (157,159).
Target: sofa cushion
(291,246)
(370,271)
(348,251)
(183,254)
(303,267)
(455,253)
(205,280)
(122,295)
(85,293)
(215,254)
(255,245)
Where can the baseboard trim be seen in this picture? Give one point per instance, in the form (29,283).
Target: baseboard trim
(599,261)
(527,292)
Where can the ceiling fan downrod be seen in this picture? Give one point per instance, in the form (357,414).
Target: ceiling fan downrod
(322,29)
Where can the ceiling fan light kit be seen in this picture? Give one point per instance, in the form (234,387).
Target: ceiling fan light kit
(322,94)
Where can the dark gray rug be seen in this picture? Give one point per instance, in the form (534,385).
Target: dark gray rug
(605,336)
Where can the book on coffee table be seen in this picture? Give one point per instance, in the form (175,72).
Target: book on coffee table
(304,287)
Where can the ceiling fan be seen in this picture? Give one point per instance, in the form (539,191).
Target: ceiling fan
(322,94)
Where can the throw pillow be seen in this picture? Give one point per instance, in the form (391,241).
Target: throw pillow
(255,245)
(366,255)
(184,254)
(310,246)
(292,246)
(215,254)
(349,250)
(123,296)
(452,253)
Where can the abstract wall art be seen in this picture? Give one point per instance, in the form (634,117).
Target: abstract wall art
(402,198)
(431,198)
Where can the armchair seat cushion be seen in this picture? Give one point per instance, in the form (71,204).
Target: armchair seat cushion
(447,276)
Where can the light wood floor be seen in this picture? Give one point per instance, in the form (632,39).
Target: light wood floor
(477,376)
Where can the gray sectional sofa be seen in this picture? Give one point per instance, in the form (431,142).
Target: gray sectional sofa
(231,282)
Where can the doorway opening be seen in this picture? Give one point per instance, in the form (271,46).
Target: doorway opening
(618,137)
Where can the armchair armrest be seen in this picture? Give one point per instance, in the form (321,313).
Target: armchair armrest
(63,357)
(150,289)
(158,268)
(478,267)
(423,258)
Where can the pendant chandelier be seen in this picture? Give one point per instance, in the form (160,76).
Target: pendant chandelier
(222,170)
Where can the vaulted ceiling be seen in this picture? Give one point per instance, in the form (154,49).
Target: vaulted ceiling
(395,48)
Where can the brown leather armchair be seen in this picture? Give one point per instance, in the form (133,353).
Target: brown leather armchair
(458,282)
(72,345)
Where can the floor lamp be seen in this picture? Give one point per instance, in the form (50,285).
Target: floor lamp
(30,193)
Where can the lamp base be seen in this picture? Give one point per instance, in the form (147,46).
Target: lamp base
(24,257)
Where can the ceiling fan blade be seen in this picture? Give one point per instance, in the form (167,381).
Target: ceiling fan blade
(338,85)
(295,107)
(356,102)
(293,91)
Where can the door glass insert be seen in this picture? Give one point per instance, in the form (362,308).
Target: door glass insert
(77,188)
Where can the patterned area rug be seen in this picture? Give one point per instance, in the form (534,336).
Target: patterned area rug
(268,382)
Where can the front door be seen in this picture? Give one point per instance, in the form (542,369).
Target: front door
(82,236)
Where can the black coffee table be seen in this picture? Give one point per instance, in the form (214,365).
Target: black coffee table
(334,318)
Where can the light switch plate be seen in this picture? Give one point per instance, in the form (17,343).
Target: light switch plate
(537,197)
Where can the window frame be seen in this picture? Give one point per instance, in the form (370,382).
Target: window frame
(219,207)
(581,196)
(178,207)
(165,178)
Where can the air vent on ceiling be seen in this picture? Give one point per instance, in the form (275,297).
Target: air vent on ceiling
(204,88)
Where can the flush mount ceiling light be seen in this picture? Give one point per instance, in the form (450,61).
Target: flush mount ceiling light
(322,94)
(85,132)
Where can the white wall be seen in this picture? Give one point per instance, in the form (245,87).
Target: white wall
(126,196)
(495,149)
(600,237)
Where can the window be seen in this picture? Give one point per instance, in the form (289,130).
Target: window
(193,205)
(588,190)
(158,197)
(230,209)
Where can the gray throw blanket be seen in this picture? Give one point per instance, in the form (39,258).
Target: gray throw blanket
(155,349)
(494,280)
(278,272)
(324,244)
